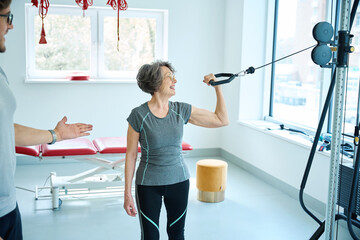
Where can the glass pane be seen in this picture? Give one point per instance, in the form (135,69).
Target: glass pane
(136,46)
(68,45)
(297,78)
(352,94)
(353,79)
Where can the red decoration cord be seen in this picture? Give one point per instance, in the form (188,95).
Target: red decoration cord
(43,10)
(34,3)
(115,3)
(112,3)
(122,5)
(119,5)
(84,4)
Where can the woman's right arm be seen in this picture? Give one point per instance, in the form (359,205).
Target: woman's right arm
(130,162)
(206,118)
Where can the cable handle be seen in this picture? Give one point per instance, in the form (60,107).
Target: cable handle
(229,76)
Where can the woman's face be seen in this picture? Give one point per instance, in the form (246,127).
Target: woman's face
(168,82)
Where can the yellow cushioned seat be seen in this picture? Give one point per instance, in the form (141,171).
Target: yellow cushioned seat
(211,177)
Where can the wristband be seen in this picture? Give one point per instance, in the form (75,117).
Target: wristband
(53,134)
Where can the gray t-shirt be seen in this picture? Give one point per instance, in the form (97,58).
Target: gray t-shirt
(7,147)
(161,161)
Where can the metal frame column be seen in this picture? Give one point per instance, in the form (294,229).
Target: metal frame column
(341,76)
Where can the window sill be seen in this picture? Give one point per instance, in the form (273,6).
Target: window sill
(90,81)
(274,130)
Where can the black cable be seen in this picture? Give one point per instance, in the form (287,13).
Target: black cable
(282,127)
(250,70)
(353,13)
(317,234)
(313,148)
(285,57)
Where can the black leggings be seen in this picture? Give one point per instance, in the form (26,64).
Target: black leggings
(149,200)
(10,225)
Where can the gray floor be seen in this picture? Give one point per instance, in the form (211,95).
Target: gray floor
(252,210)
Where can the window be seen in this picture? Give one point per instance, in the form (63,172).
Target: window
(297,82)
(300,86)
(87,43)
(352,93)
(357,20)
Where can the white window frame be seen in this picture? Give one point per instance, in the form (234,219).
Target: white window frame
(97,67)
(323,89)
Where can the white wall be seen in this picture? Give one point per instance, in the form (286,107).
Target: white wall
(195,49)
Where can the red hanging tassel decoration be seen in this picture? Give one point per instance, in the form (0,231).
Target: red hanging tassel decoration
(42,36)
(34,3)
(119,5)
(43,10)
(122,5)
(84,4)
(112,3)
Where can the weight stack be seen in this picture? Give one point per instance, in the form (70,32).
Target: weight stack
(344,188)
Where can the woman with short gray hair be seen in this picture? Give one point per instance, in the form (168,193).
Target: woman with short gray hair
(162,174)
(149,77)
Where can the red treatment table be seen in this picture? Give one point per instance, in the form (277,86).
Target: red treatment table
(89,182)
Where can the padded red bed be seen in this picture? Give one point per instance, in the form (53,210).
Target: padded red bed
(82,146)
(89,181)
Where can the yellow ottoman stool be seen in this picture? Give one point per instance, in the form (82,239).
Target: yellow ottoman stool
(211,180)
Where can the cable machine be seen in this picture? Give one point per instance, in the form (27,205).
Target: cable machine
(349,176)
(336,171)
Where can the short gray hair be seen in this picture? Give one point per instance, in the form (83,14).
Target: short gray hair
(149,77)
